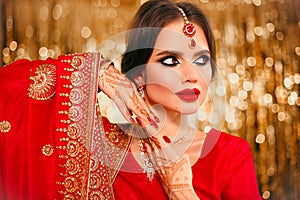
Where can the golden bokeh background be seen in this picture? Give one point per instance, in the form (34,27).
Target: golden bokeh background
(258,51)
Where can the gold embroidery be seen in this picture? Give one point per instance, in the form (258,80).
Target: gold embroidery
(69,197)
(117,145)
(71,184)
(94,163)
(96,195)
(48,150)
(84,174)
(5,127)
(73,148)
(75,113)
(77,78)
(72,166)
(44,82)
(76,96)
(73,131)
(117,137)
(78,62)
(95,181)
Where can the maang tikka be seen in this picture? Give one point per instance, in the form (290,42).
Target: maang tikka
(188,29)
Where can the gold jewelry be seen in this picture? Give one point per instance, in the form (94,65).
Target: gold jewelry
(188,29)
(141,90)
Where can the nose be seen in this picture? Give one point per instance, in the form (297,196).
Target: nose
(189,73)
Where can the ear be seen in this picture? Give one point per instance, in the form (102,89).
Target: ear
(139,79)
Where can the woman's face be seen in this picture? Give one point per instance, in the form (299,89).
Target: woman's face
(177,76)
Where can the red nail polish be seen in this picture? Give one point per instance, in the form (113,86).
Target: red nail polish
(144,147)
(139,121)
(131,120)
(154,124)
(156,119)
(166,139)
(149,119)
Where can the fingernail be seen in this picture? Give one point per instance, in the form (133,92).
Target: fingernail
(156,119)
(166,139)
(149,119)
(154,124)
(139,121)
(132,120)
(144,147)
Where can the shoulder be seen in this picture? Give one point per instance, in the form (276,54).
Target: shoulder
(225,144)
(235,151)
(234,144)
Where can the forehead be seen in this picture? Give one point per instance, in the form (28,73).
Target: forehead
(171,37)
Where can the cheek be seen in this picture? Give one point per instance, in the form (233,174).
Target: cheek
(204,77)
(157,94)
(162,78)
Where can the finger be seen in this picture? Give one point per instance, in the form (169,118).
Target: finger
(135,102)
(166,155)
(141,117)
(142,122)
(124,110)
(129,103)
(139,107)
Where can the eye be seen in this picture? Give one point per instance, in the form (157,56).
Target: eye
(202,60)
(169,61)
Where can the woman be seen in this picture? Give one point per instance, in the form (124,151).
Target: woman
(172,67)
(56,145)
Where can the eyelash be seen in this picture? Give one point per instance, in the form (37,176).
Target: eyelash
(205,60)
(175,61)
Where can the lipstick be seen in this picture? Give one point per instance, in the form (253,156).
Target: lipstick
(188,95)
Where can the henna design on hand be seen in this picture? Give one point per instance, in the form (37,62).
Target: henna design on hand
(176,179)
(124,93)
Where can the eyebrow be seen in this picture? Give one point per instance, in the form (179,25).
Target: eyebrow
(167,52)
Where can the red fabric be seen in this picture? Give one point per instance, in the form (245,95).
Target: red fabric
(224,171)
(66,122)
(25,172)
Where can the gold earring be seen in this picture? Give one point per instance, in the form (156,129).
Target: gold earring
(141,90)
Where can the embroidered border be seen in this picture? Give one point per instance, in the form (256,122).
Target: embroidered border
(83,173)
(88,159)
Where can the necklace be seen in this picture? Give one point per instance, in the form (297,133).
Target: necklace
(179,145)
(147,165)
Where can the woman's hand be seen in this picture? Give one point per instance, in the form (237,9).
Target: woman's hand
(123,92)
(176,179)
(174,171)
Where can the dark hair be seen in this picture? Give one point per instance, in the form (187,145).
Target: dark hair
(158,13)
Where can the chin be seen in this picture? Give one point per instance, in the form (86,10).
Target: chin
(189,112)
(189,109)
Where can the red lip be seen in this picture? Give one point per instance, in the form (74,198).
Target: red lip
(188,95)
